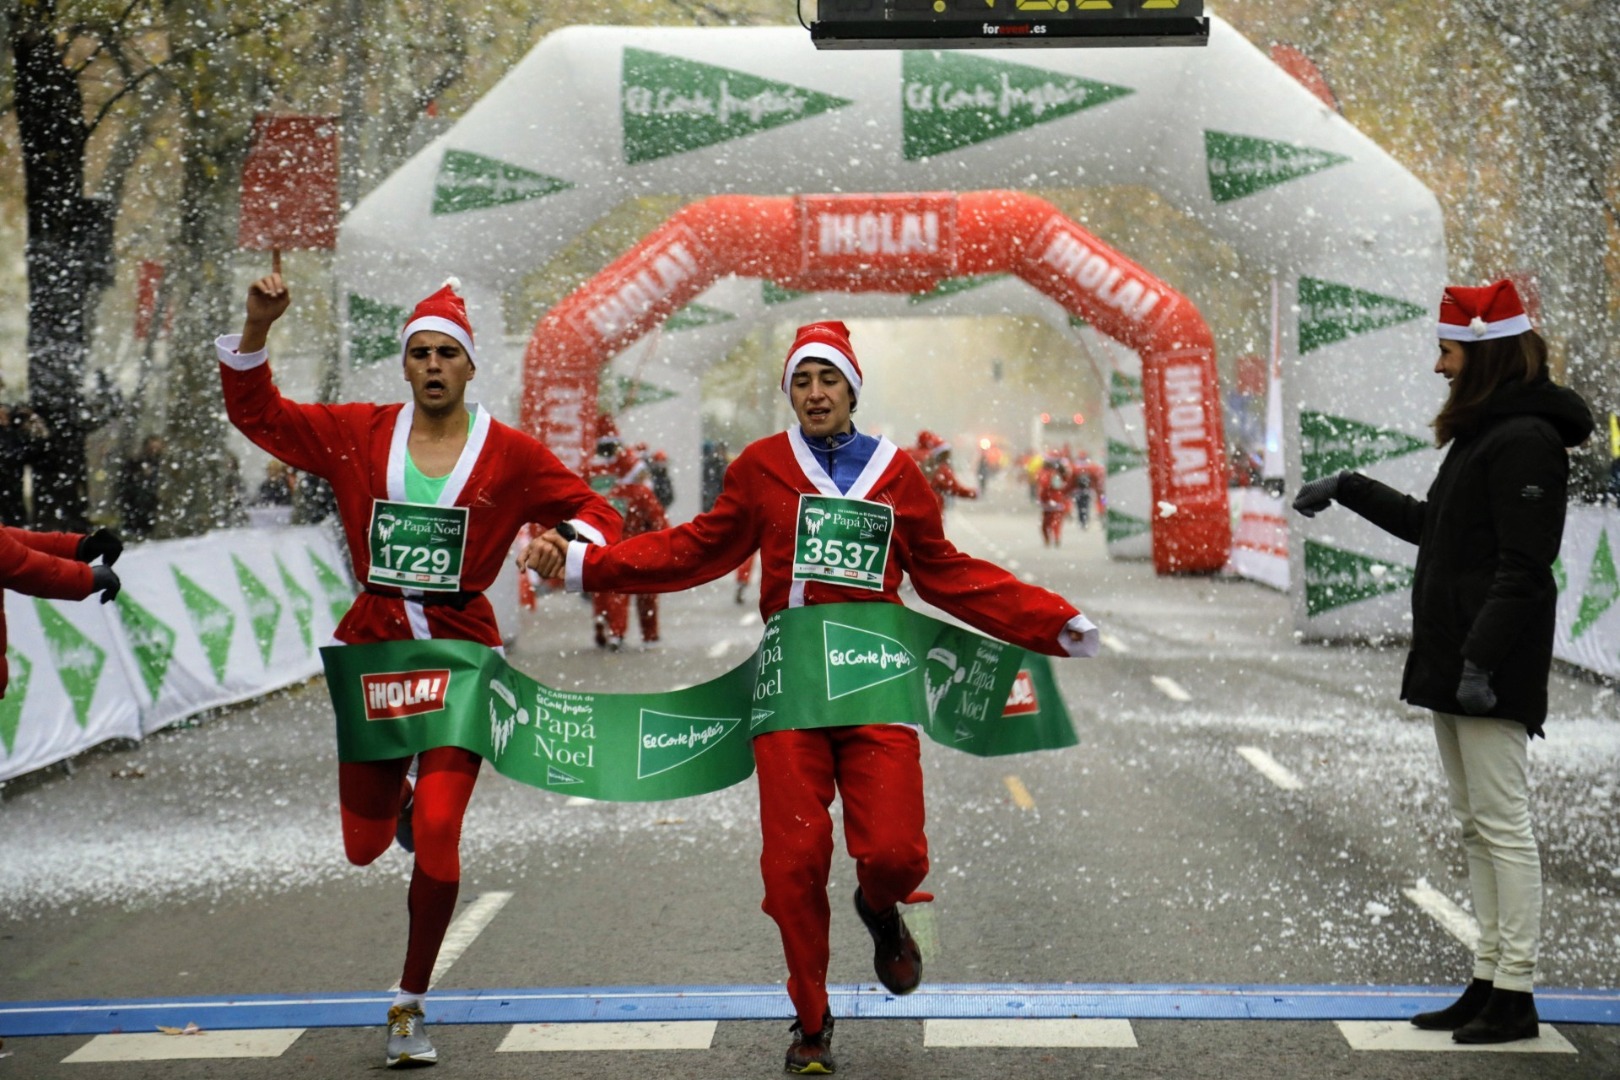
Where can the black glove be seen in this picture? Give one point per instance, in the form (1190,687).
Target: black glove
(102,542)
(1317,495)
(1474,691)
(104,581)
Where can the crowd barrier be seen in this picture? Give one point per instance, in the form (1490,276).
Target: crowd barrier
(200,623)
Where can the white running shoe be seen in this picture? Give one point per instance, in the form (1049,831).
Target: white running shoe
(407,1038)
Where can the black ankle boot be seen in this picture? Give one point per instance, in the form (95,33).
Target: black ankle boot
(1459,1012)
(1509,1015)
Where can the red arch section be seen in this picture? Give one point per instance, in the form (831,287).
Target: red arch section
(908,243)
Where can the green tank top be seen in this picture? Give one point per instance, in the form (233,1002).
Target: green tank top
(421,488)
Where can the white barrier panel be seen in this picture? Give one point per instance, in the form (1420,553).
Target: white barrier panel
(199,623)
(1588,633)
(1260,537)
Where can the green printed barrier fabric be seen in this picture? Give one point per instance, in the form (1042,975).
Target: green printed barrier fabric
(823,666)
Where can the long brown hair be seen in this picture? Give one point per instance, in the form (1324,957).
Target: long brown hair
(1486,366)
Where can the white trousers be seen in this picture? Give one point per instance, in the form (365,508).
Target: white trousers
(1487,768)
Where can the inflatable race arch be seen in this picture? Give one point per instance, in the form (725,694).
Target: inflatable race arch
(909,244)
(772,141)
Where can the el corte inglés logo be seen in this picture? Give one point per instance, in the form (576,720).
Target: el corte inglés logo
(951,100)
(858,658)
(1331,444)
(671,105)
(1602,588)
(1330,312)
(669,740)
(1334,578)
(393,695)
(11,705)
(1241,165)
(468,181)
(374,330)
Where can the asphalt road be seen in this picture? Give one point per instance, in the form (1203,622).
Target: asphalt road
(1160,854)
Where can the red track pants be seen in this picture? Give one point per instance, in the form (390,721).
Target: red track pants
(877,771)
(370,794)
(612,615)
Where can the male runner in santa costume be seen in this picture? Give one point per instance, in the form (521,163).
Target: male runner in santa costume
(622,479)
(874,766)
(428,462)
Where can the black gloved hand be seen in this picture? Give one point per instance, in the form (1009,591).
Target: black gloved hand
(1474,691)
(102,542)
(1317,495)
(104,581)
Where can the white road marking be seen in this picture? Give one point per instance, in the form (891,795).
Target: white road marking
(1400,1035)
(1456,922)
(578,800)
(1029,1033)
(155,1046)
(464,929)
(719,649)
(1112,643)
(651,1035)
(1269,767)
(1020,794)
(749,619)
(1170,688)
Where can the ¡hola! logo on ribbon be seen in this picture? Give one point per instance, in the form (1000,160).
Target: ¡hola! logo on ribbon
(1022,699)
(394,695)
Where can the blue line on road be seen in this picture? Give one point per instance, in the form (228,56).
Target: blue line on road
(542,1005)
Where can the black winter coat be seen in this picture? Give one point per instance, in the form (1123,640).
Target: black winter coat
(1487,537)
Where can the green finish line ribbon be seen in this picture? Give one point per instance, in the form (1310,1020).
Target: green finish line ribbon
(830,665)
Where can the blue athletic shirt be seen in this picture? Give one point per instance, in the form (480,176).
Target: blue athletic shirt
(843,455)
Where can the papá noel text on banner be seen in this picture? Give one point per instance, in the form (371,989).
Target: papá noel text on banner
(823,666)
(417,546)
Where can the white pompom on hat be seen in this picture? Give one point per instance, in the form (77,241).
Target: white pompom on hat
(1480,314)
(446,312)
(828,342)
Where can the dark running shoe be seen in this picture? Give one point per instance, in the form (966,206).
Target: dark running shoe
(812,1054)
(895,956)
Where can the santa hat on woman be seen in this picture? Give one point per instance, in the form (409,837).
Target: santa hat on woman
(825,341)
(446,312)
(1490,311)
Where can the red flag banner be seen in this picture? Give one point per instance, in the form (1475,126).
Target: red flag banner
(147,283)
(290,184)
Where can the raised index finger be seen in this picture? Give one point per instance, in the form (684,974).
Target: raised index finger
(275,260)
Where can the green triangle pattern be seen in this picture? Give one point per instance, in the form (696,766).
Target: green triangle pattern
(1118,526)
(1331,444)
(1602,588)
(1240,165)
(77,659)
(1078,322)
(695,315)
(338,594)
(11,706)
(468,181)
(1123,390)
(952,286)
(374,329)
(1123,457)
(772,293)
(1560,575)
(1330,312)
(950,100)
(303,605)
(213,622)
(620,392)
(1334,578)
(151,639)
(670,105)
(264,610)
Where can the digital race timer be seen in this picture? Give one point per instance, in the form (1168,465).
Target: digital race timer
(958,24)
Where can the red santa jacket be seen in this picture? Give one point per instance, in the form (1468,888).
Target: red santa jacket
(38,564)
(758,509)
(1054,490)
(505,478)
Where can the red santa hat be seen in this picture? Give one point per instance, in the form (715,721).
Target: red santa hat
(446,312)
(826,341)
(1490,311)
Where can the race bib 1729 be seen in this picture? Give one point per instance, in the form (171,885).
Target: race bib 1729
(415,546)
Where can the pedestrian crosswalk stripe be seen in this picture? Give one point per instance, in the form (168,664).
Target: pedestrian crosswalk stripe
(1270,768)
(1456,922)
(1400,1035)
(658,1035)
(156,1046)
(1029,1033)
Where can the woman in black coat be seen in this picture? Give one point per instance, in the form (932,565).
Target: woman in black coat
(1483,602)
